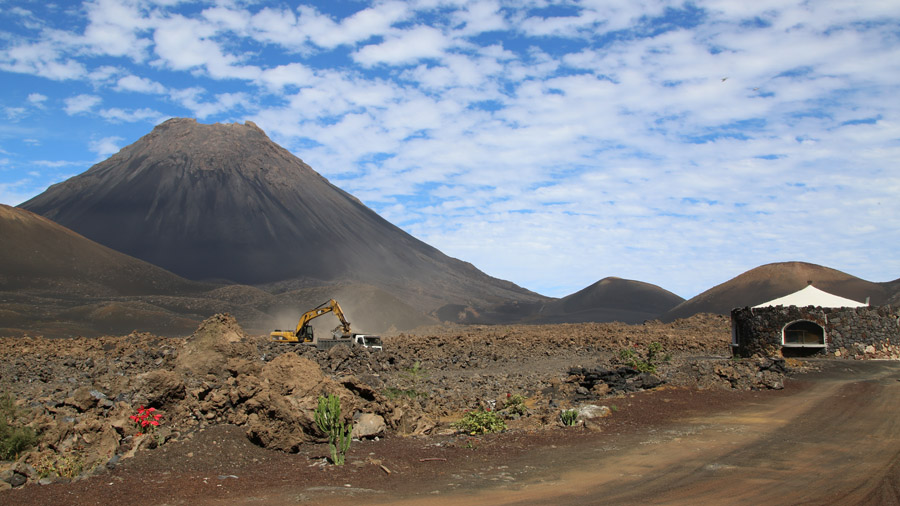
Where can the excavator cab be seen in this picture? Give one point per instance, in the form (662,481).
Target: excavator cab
(305,334)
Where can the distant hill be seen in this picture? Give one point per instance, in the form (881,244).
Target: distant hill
(610,299)
(38,253)
(224,202)
(56,283)
(775,280)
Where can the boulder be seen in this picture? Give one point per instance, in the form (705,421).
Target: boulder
(16,479)
(82,400)
(591,414)
(163,388)
(368,425)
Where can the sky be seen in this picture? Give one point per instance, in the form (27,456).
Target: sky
(551,144)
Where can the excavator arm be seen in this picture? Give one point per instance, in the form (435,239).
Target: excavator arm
(304,333)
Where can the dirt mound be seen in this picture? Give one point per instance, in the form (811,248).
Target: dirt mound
(225,202)
(775,280)
(218,339)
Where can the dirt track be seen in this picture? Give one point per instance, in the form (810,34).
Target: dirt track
(833,439)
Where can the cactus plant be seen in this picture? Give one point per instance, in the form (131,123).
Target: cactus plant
(328,419)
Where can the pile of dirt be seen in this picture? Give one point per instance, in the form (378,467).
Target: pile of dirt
(79,393)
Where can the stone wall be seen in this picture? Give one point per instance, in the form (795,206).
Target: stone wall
(865,332)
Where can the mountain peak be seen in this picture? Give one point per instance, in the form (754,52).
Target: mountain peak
(770,281)
(223,201)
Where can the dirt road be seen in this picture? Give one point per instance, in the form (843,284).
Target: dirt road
(836,440)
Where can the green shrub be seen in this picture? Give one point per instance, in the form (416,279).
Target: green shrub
(568,417)
(654,356)
(515,405)
(14,438)
(328,419)
(416,374)
(65,465)
(480,421)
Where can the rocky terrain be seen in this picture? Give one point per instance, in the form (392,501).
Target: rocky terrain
(78,394)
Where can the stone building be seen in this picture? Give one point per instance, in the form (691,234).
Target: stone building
(812,322)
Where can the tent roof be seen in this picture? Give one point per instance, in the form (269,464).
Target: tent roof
(812,296)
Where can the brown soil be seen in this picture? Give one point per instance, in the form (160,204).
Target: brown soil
(829,437)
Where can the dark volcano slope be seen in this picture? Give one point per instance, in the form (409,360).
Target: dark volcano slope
(225,202)
(770,281)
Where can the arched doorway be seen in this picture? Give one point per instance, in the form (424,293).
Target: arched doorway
(802,338)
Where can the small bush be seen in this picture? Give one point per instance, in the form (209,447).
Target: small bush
(480,421)
(655,355)
(568,417)
(515,405)
(14,438)
(416,373)
(65,465)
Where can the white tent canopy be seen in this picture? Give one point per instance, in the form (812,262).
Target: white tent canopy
(812,296)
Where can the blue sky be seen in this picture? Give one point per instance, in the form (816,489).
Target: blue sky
(549,143)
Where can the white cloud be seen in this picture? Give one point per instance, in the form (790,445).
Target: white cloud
(184,44)
(480,17)
(113,29)
(42,59)
(192,98)
(227,18)
(131,116)
(378,20)
(140,85)
(404,46)
(81,103)
(106,146)
(104,74)
(14,113)
(37,99)
(291,74)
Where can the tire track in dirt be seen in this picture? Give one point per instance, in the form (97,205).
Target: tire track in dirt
(835,442)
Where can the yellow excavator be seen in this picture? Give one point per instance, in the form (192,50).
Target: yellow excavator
(304,332)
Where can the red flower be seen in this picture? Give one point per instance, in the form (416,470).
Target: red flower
(145,417)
